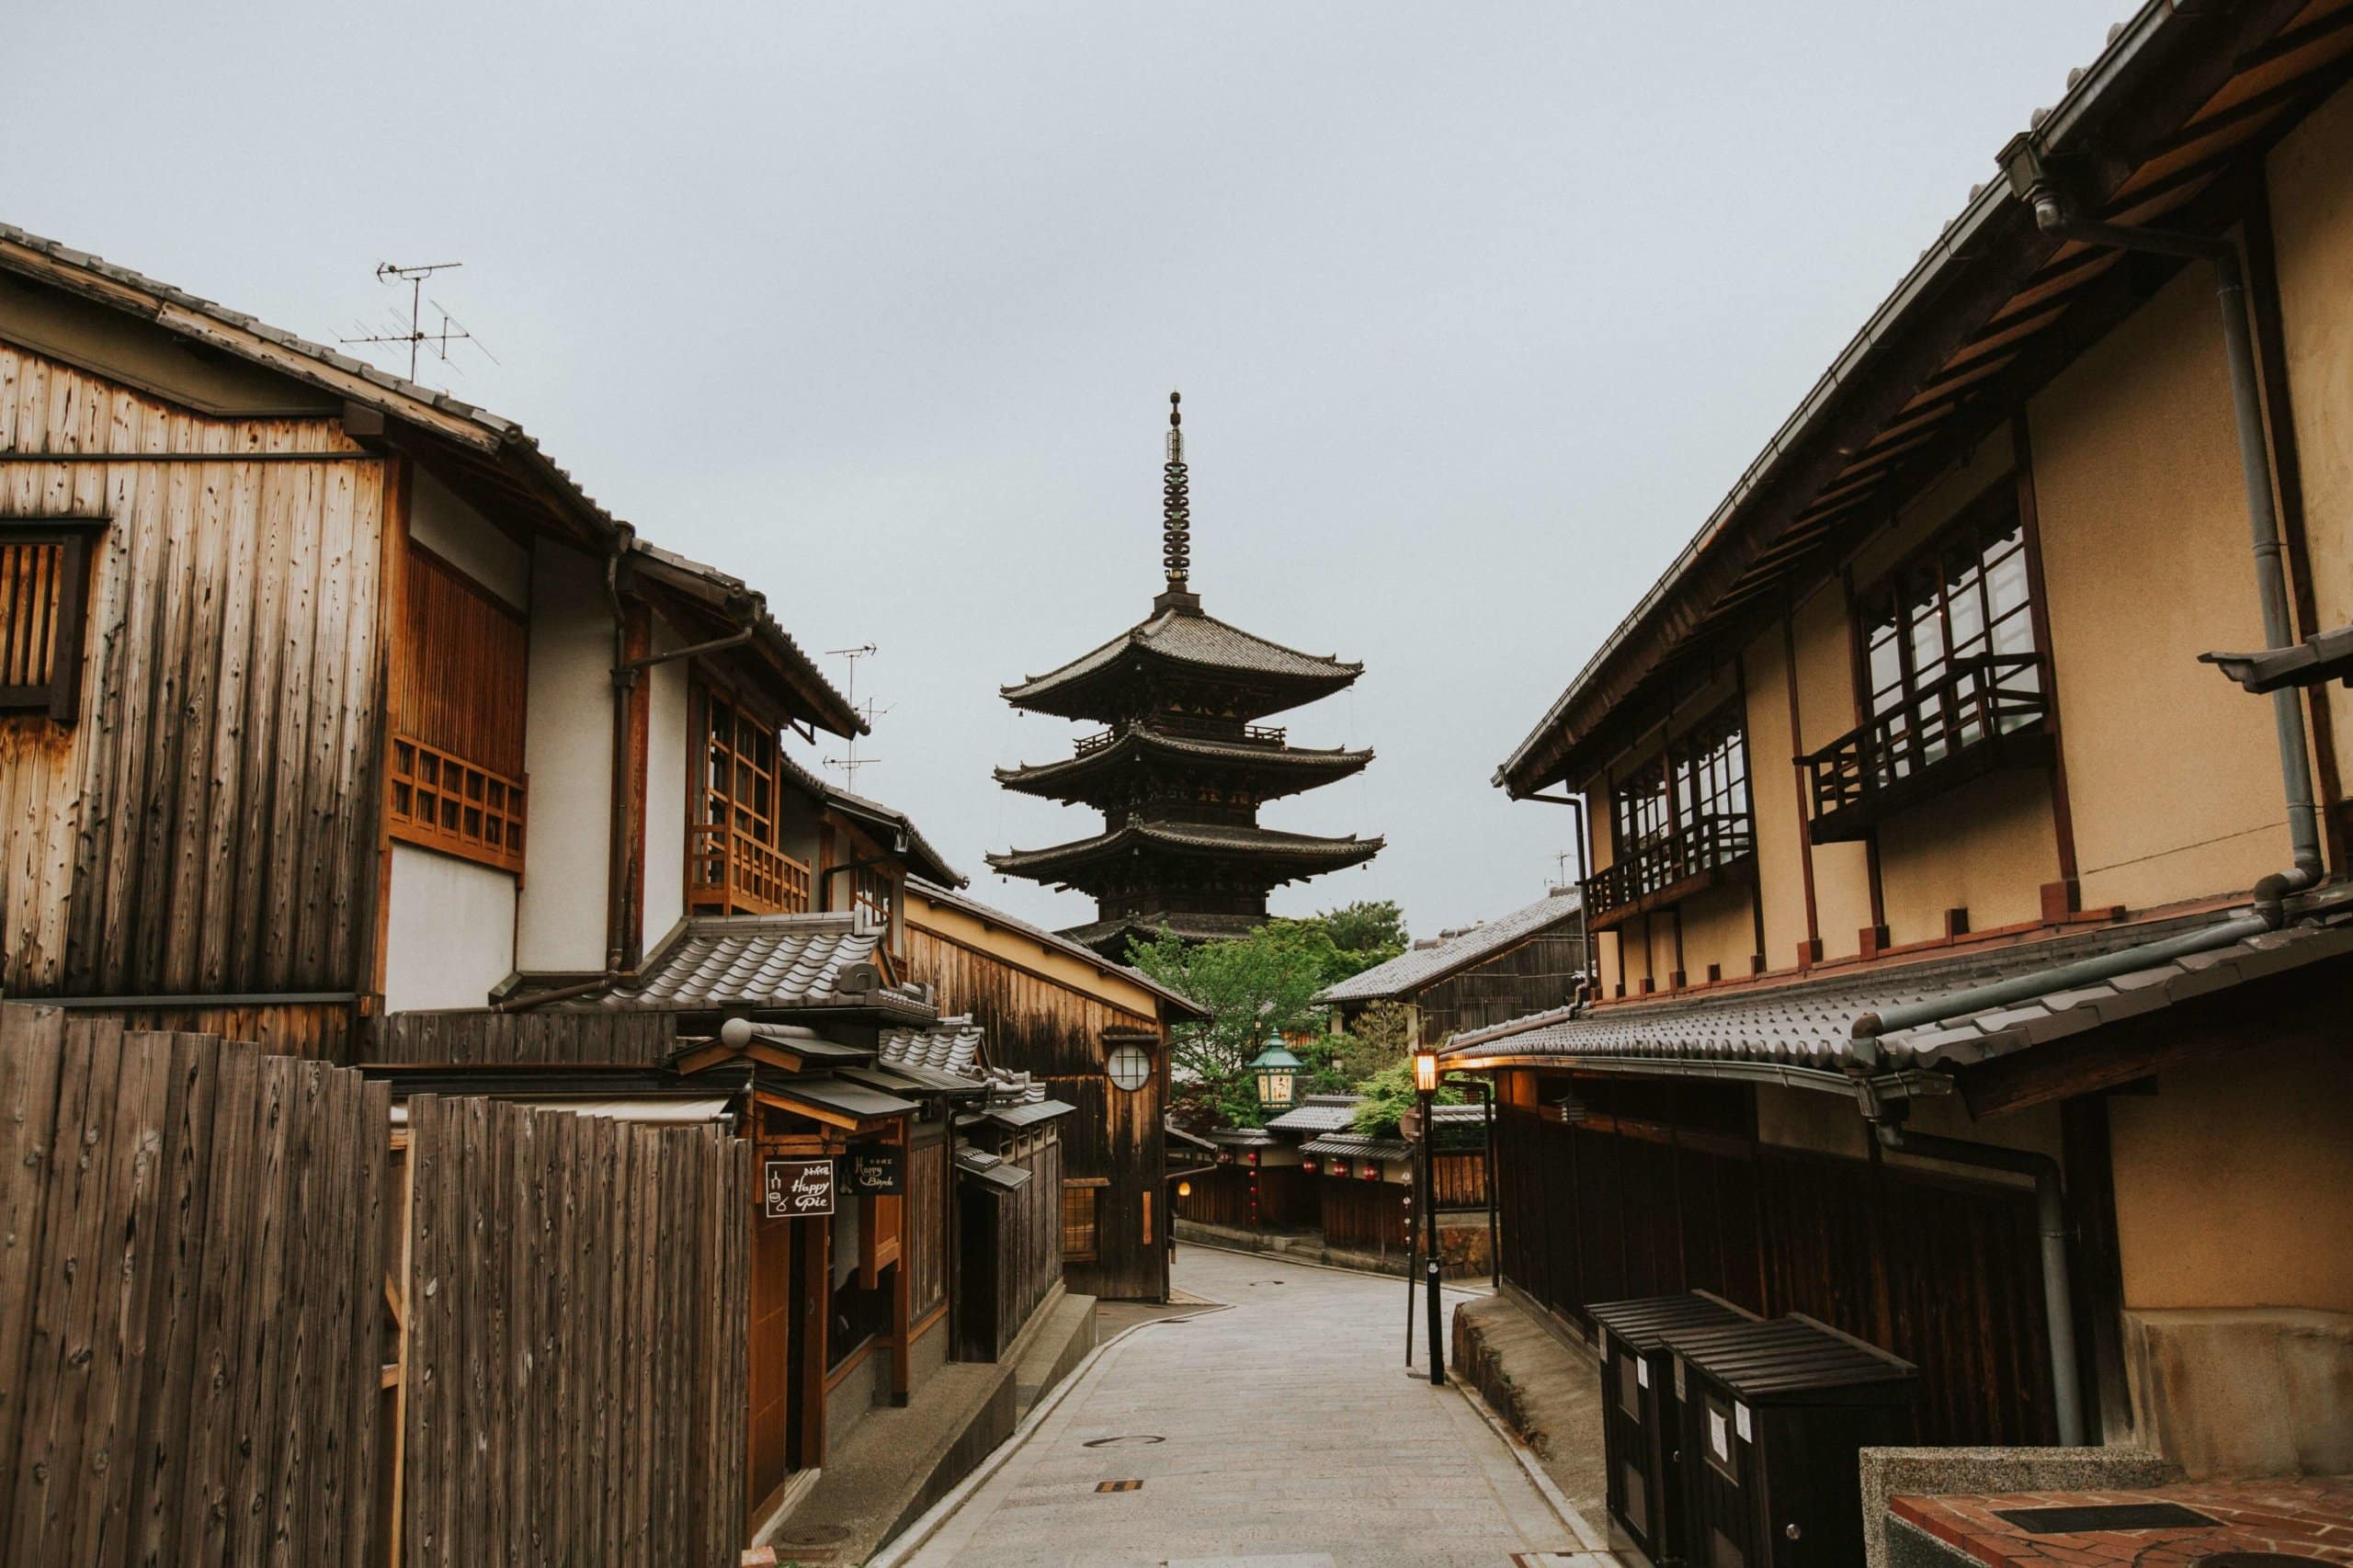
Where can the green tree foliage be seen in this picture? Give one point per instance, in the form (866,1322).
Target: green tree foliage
(1363,934)
(1382,1036)
(1262,984)
(1251,987)
(1388,1094)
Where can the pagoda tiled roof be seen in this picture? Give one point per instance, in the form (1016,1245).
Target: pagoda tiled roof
(1191,640)
(1111,936)
(1300,854)
(1293,767)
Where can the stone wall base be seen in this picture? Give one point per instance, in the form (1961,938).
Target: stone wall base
(2254,1390)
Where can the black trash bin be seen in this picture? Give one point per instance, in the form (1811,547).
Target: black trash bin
(1639,1421)
(1774,1417)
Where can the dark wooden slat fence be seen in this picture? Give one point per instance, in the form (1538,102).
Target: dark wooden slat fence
(477,1037)
(191,1270)
(577,1338)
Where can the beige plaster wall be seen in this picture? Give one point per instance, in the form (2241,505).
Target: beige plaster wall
(1827,692)
(2312,225)
(667,751)
(1719,927)
(449,933)
(1773,796)
(1987,846)
(2171,770)
(2234,1183)
(569,753)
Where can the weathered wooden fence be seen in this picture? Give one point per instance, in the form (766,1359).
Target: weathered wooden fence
(191,1278)
(1460,1179)
(576,1353)
(212,1349)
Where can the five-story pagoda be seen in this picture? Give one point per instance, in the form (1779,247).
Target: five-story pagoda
(1182,764)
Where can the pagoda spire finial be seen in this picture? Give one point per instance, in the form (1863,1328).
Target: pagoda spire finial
(1175,515)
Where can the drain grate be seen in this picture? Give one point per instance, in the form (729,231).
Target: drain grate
(1119,1442)
(2102,1516)
(2255,1559)
(1130,1484)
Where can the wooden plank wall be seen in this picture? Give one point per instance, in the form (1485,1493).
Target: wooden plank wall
(189,1338)
(1460,1180)
(1029,1251)
(477,1036)
(1370,1216)
(927,1232)
(578,1350)
(1535,976)
(1041,1026)
(1943,1272)
(209,822)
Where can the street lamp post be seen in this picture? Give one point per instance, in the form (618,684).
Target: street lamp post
(1424,1091)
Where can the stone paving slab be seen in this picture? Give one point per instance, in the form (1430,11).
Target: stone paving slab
(1290,1438)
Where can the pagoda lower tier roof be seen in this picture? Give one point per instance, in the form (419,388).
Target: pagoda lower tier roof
(1113,934)
(1282,769)
(1275,858)
(1182,641)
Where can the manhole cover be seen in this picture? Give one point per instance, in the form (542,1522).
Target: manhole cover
(812,1535)
(1116,1442)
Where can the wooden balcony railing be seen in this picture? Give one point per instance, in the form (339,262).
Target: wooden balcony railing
(1982,713)
(1667,868)
(1192,729)
(729,872)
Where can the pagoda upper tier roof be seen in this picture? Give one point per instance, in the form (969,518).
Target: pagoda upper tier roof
(1279,857)
(1181,640)
(1283,770)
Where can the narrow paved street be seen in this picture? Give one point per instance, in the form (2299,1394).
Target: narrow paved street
(1281,1432)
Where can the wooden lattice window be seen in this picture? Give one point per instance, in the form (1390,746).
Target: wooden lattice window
(735,864)
(458,707)
(442,801)
(44,579)
(1079,1222)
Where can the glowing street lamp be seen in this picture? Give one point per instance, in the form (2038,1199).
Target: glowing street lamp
(1278,1072)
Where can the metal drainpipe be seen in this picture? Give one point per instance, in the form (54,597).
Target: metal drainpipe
(1586,938)
(617,850)
(2255,470)
(2051,1221)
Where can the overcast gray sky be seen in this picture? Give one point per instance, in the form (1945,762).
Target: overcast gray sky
(1477,310)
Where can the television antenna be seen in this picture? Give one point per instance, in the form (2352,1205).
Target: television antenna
(1561,867)
(413,332)
(850,762)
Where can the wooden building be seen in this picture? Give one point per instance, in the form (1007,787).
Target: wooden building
(338,716)
(1531,960)
(1096,1033)
(2004,1026)
(334,695)
(1182,764)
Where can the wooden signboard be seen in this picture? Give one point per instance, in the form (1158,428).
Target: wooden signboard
(874,1173)
(798,1189)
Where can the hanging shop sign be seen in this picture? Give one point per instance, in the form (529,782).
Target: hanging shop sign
(798,1189)
(875,1173)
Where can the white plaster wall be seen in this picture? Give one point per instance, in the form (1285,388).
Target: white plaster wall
(568,753)
(461,536)
(666,789)
(450,934)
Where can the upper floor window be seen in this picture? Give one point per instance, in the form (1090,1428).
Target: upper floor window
(1682,816)
(455,779)
(735,864)
(44,577)
(1949,663)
